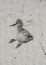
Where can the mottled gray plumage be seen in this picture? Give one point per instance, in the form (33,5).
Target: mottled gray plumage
(23,36)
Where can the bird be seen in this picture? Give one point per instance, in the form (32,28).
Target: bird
(23,36)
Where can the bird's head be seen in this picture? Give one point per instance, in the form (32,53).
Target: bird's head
(18,23)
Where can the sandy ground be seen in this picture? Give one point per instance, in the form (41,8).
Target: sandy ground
(33,15)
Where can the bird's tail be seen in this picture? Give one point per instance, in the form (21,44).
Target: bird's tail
(12,40)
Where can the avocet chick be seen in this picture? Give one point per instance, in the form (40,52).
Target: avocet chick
(23,36)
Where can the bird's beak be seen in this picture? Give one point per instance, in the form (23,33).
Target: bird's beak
(13,24)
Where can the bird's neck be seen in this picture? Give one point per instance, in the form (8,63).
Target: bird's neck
(19,28)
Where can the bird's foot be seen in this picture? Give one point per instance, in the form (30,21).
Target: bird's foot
(18,45)
(12,40)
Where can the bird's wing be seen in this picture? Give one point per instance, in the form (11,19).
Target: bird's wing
(25,32)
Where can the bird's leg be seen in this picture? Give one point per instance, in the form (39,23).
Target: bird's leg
(18,45)
(12,40)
